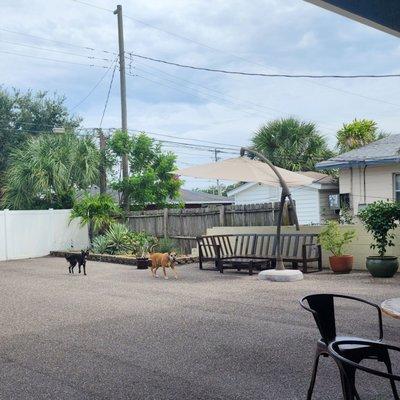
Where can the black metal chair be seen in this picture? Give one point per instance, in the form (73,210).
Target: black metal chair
(322,308)
(338,351)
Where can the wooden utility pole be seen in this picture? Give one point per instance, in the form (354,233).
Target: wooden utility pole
(216,158)
(124,116)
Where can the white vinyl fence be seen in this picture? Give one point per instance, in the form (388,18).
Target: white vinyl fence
(34,233)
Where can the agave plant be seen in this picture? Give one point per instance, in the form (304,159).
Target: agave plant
(100,244)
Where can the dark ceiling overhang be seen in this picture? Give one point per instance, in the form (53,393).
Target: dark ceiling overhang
(380,14)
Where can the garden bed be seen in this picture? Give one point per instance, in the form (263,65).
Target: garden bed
(120,259)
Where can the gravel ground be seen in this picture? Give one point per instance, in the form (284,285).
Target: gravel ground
(120,334)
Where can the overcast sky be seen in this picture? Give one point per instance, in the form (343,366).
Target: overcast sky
(285,36)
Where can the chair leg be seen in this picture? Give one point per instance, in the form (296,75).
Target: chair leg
(348,388)
(313,376)
(351,372)
(388,363)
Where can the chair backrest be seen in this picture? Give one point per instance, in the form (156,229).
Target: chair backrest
(322,307)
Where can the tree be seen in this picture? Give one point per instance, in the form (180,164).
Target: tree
(292,144)
(98,211)
(150,180)
(23,115)
(356,134)
(48,170)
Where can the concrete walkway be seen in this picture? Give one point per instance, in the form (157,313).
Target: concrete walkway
(119,334)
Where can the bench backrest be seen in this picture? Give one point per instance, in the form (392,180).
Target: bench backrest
(259,244)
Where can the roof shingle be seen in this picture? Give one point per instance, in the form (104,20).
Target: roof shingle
(383,151)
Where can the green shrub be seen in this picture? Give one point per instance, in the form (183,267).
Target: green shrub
(118,239)
(143,243)
(379,219)
(333,239)
(165,245)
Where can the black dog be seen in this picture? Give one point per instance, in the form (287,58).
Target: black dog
(79,259)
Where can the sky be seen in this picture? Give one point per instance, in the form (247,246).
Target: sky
(279,36)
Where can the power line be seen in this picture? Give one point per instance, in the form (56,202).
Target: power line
(92,5)
(56,51)
(95,86)
(216,91)
(241,58)
(191,139)
(52,59)
(47,39)
(261,74)
(108,96)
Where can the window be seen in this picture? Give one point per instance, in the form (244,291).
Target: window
(334,201)
(345,200)
(397,187)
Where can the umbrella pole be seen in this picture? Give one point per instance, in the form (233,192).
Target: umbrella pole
(279,262)
(285,193)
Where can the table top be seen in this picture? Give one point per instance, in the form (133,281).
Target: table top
(391,307)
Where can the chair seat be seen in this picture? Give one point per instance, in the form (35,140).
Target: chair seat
(347,347)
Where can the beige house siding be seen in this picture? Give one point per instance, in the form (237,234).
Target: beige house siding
(377,185)
(325,211)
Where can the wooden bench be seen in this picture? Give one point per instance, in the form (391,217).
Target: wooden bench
(227,251)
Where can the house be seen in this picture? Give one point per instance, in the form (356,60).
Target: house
(314,203)
(368,174)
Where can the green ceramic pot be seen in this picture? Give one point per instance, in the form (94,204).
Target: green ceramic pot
(382,267)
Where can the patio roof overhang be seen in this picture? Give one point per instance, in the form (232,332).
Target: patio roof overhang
(379,14)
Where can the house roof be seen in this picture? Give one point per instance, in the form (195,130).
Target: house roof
(383,151)
(186,197)
(194,197)
(320,181)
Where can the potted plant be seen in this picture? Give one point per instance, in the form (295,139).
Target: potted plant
(333,239)
(143,245)
(380,218)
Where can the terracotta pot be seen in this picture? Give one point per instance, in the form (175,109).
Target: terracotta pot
(382,267)
(341,264)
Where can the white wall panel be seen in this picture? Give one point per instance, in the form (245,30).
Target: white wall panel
(34,233)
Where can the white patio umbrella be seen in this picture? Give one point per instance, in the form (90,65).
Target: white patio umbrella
(244,169)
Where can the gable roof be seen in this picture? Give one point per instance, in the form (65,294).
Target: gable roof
(194,197)
(383,151)
(320,181)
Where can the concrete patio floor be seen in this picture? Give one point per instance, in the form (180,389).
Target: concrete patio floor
(120,334)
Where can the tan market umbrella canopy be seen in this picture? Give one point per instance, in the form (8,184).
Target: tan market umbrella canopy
(243,169)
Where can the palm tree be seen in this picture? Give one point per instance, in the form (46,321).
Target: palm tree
(99,212)
(292,144)
(356,134)
(48,170)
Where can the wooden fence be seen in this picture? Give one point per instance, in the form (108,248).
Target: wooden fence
(183,225)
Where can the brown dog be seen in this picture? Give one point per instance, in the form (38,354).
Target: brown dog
(164,260)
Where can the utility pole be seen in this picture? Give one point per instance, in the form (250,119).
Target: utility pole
(216,151)
(124,117)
